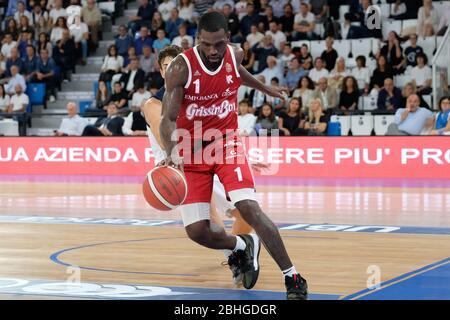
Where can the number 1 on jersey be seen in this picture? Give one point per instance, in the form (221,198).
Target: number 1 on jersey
(197,86)
(239,174)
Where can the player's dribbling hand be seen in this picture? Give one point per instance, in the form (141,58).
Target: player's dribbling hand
(169,162)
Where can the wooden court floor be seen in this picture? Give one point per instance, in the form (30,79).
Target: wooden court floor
(336,263)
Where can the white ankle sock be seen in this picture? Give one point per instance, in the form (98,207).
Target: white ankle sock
(289,272)
(227,253)
(240,244)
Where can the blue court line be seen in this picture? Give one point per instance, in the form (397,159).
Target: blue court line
(423,288)
(55,258)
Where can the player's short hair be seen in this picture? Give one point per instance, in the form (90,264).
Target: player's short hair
(212,22)
(169,51)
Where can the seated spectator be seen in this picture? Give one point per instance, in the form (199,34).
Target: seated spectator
(262,51)
(329,55)
(338,74)
(143,16)
(112,64)
(328,96)
(92,16)
(318,71)
(111,125)
(246,120)
(232,18)
(254,36)
(102,98)
(157,23)
(251,18)
(13,29)
(14,60)
(21,11)
(161,41)
(361,74)
(7,44)
(18,106)
(182,34)
(119,96)
(173,23)
(304,24)
(390,97)
(4,99)
(294,73)
(186,10)
(421,75)
(287,20)
(139,97)
(393,52)
(57,11)
(305,57)
(148,63)
(165,7)
(248,60)
(57,30)
(44,43)
(73,125)
(130,56)
(348,99)
(240,8)
(29,64)
(266,121)
(143,40)
(286,56)
(132,78)
(15,80)
(257,98)
(273,70)
(80,33)
(427,19)
(41,21)
(64,54)
(279,38)
(25,39)
(45,73)
(380,74)
(304,91)
(123,41)
(316,122)
(410,89)
(412,51)
(410,120)
(291,121)
(442,123)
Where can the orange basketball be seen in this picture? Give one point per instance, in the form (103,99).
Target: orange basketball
(165,188)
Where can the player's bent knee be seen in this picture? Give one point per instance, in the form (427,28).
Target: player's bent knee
(249,210)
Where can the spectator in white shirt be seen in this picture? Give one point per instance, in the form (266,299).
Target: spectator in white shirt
(273,70)
(254,36)
(165,7)
(19,101)
(186,10)
(73,125)
(21,11)
(80,33)
(58,29)
(182,30)
(318,71)
(112,64)
(361,74)
(140,96)
(279,38)
(427,19)
(15,80)
(8,44)
(4,99)
(304,24)
(57,11)
(421,75)
(246,120)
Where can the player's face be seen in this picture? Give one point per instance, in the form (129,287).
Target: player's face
(164,65)
(213,45)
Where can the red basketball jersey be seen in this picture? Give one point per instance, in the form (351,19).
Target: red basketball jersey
(210,97)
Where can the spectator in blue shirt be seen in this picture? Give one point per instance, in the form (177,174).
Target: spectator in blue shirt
(45,73)
(161,41)
(14,60)
(173,23)
(123,41)
(30,62)
(143,17)
(390,97)
(295,72)
(143,40)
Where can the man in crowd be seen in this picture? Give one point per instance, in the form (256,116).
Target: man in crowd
(73,125)
(390,97)
(111,125)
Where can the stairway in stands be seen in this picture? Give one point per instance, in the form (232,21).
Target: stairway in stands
(81,86)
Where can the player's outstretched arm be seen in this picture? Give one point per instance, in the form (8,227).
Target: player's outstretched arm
(176,77)
(152,113)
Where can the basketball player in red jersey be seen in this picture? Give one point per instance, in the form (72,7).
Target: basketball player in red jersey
(201,91)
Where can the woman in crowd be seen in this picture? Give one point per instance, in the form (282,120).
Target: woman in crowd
(442,120)
(338,74)
(393,52)
(362,75)
(348,99)
(57,31)
(292,120)
(11,27)
(266,120)
(44,43)
(112,64)
(4,99)
(157,23)
(103,96)
(305,90)
(382,72)
(305,58)
(186,9)
(427,19)
(409,89)
(316,122)
(249,57)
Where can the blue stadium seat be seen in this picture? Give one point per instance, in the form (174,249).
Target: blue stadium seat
(84,105)
(334,129)
(36,93)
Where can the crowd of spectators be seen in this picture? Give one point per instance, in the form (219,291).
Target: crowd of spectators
(41,36)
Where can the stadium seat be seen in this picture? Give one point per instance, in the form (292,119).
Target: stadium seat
(334,129)
(409,23)
(9,127)
(344,121)
(381,124)
(317,47)
(342,47)
(343,9)
(391,25)
(361,47)
(84,104)
(428,100)
(36,93)
(385,10)
(370,103)
(109,7)
(362,125)
(376,45)
(401,81)
(429,45)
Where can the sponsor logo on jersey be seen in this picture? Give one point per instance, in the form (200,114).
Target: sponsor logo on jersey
(228,92)
(229,79)
(201,98)
(222,110)
(197,74)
